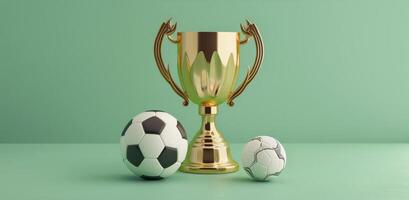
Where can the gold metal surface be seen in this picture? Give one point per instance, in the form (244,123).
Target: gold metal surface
(250,30)
(208,152)
(208,67)
(167,29)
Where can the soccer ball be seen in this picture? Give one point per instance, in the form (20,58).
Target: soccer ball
(263,157)
(153,144)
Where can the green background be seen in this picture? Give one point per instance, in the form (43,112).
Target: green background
(77,71)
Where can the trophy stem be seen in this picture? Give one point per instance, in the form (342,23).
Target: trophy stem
(208,152)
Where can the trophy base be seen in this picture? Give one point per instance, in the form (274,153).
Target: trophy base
(212,168)
(208,152)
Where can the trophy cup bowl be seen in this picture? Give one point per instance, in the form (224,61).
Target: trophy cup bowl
(208,68)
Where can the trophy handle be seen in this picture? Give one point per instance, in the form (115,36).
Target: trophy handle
(167,29)
(250,30)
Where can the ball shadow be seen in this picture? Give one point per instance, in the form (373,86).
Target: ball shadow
(123,178)
(248,180)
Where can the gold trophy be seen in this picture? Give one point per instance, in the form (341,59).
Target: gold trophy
(208,67)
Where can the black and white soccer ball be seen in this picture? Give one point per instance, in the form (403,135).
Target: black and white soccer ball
(263,157)
(153,144)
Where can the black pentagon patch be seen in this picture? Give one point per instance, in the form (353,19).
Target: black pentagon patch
(134,155)
(154,111)
(126,127)
(181,130)
(151,177)
(153,125)
(168,157)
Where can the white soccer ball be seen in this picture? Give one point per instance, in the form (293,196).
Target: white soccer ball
(263,157)
(153,144)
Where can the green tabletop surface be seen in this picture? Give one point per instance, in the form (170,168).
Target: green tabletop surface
(96,171)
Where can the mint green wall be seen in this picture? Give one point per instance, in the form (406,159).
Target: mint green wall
(76,71)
